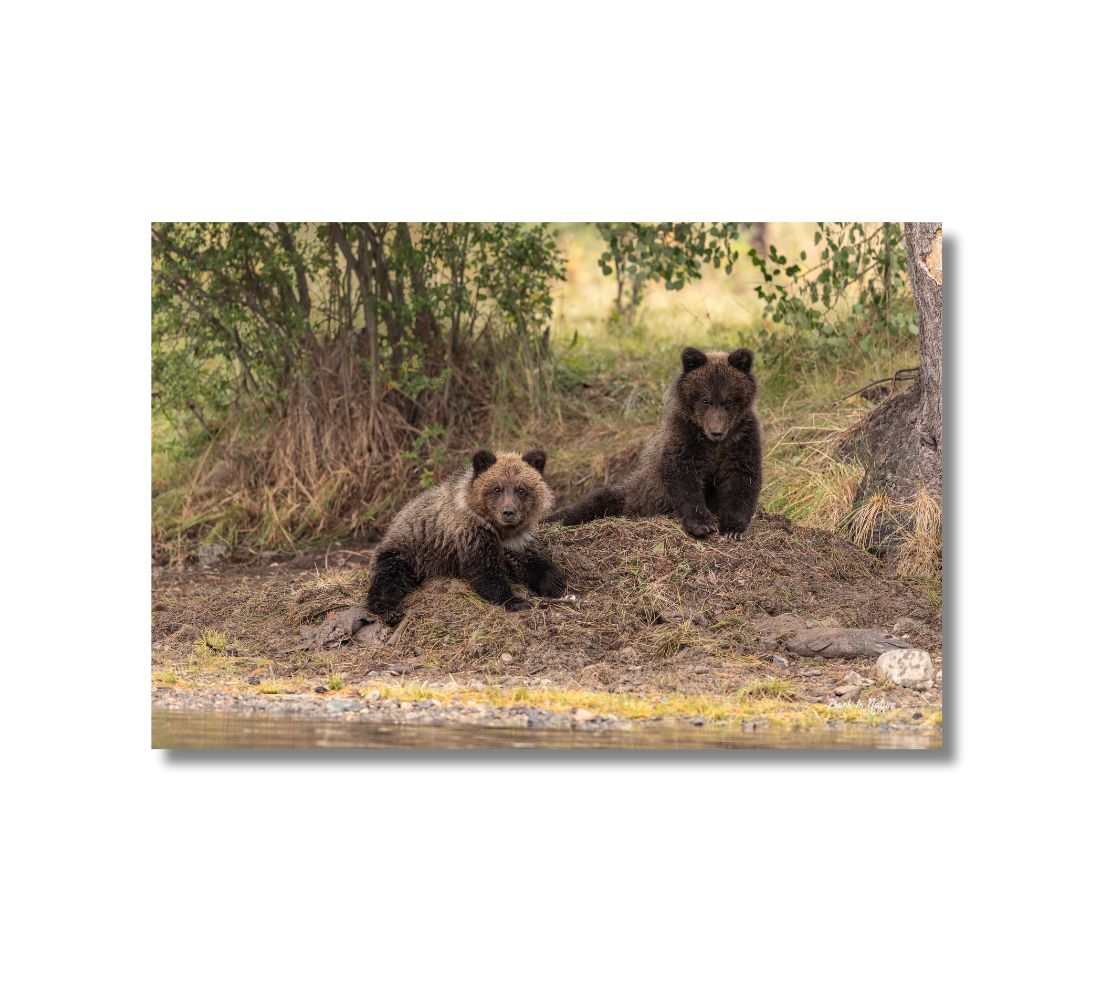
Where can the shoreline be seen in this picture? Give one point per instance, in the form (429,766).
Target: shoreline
(439,708)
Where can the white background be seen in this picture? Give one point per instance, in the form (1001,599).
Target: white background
(987,870)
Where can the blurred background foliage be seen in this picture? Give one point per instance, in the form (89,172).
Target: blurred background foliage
(307,377)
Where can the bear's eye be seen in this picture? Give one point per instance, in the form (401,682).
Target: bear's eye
(496,490)
(522,492)
(706,402)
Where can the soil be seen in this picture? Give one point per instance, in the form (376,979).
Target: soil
(649,612)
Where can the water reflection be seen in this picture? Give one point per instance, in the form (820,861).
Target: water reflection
(225,730)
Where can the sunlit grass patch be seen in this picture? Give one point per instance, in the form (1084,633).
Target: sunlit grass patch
(770,687)
(765,700)
(211,645)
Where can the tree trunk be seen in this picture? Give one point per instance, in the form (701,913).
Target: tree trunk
(899,442)
(923,257)
(361,266)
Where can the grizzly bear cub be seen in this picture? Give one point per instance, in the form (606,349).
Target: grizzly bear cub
(704,463)
(477,525)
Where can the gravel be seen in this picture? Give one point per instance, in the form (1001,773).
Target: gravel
(374,708)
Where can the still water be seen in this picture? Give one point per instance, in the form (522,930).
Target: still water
(227,731)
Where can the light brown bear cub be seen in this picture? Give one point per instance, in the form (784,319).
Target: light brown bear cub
(477,525)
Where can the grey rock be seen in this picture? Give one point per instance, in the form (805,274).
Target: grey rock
(843,643)
(400,669)
(335,631)
(781,662)
(371,635)
(343,705)
(211,553)
(910,668)
(904,626)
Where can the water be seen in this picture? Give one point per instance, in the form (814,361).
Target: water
(173,730)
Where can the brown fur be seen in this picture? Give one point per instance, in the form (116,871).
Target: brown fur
(704,462)
(510,484)
(478,525)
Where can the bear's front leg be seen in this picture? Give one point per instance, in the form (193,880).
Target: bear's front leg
(736,490)
(537,572)
(734,509)
(686,490)
(394,577)
(484,569)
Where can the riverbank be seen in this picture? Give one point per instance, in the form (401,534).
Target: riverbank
(655,626)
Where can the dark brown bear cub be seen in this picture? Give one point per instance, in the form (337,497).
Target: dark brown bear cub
(704,463)
(477,525)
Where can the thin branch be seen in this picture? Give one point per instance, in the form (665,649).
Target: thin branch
(902,375)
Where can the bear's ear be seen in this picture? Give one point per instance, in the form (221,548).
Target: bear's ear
(482,460)
(692,359)
(741,359)
(535,458)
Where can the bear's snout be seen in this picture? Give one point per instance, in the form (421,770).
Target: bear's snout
(716,423)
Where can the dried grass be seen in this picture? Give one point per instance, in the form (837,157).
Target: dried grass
(919,551)
(329,465)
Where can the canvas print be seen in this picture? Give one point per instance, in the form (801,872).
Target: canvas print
(462,486)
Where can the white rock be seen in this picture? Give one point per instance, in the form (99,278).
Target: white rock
(583,715)
(506,658)
(911,668)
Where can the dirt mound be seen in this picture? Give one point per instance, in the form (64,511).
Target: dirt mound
(649,610)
